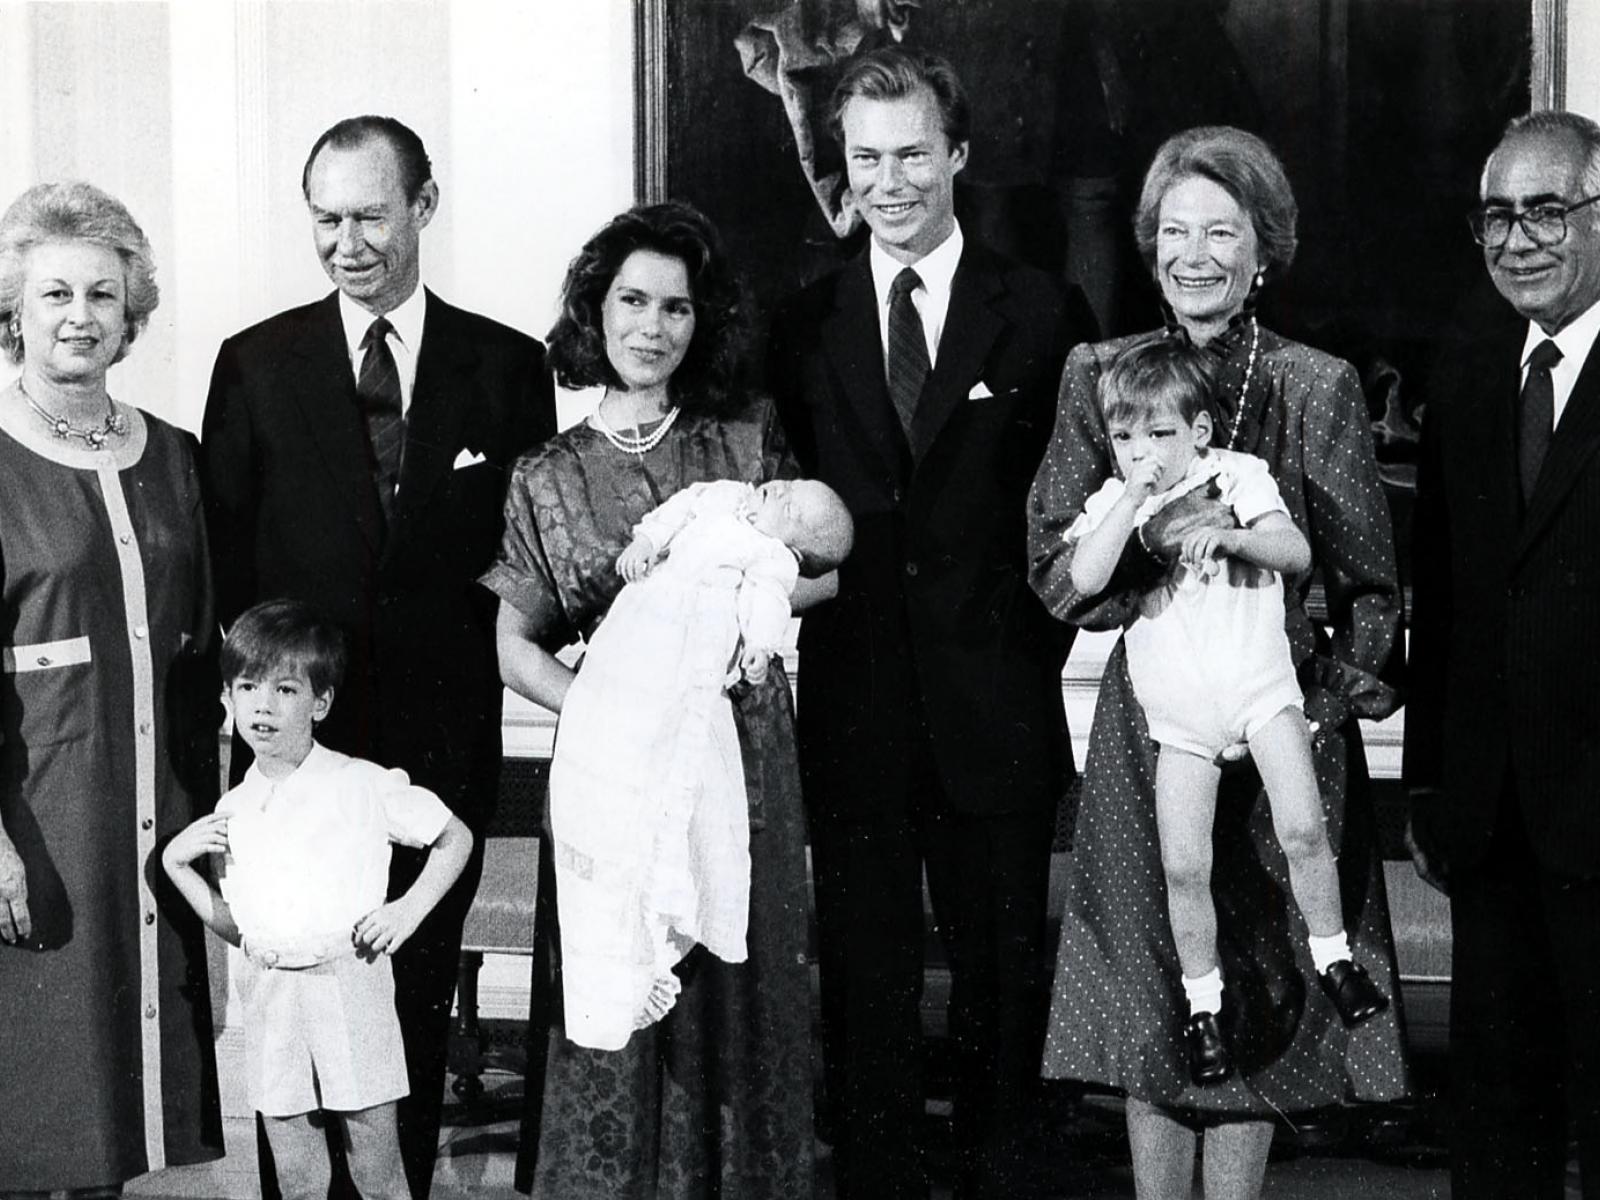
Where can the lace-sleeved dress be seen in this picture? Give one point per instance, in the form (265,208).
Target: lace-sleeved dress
(1118,1001)
(716,1098)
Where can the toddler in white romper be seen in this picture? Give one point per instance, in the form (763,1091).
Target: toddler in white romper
(1210,664)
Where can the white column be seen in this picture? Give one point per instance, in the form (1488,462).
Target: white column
(541,100)
(218,273)
(1583,57)
(16,100)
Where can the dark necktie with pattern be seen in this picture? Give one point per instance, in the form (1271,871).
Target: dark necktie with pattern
(908,348)
(1538,415)
(378,387)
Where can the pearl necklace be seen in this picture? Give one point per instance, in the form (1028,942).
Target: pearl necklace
(95,437)
(1244,388)
(629,444)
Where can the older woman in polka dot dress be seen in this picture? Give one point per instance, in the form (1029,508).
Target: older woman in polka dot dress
(1215,218)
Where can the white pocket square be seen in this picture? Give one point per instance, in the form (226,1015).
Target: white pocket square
(980,391)
(468,458)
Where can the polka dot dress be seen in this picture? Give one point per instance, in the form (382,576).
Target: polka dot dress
(1118,1008)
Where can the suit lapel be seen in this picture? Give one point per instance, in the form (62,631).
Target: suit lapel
(854,347)
(970,328)
(333,416)
(440,399)
(1576,437)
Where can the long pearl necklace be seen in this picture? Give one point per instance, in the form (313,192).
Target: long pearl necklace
(96,437)
(630,444)
(1244,388)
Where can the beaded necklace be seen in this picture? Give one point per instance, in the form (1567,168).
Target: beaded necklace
(1244,388)
(628,443)
(96,437)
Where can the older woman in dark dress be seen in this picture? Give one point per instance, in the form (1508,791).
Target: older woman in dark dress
(1215,218)
(714,1100)
(108,722)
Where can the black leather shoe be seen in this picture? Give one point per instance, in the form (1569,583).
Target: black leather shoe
(1353,993)
(1209,1060)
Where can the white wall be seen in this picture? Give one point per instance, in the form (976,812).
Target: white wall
(1583,57)
(198,115)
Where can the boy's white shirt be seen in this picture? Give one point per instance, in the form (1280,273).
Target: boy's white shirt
(1246,483)
(308,854)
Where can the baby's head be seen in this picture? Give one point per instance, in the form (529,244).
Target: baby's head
(809,518)
(1155,397)
(281,662)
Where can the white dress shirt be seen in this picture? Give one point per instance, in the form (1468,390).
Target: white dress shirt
(1575,341)
(405,342)
(937,270)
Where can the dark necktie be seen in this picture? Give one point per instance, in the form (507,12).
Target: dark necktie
(378,387)
(908,348)
(1538,415)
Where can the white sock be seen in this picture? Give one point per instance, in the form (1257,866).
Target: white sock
(1204,993)
(1325,951)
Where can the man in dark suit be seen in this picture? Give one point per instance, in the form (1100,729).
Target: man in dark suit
(919,382)
(1503,726)
(354,453)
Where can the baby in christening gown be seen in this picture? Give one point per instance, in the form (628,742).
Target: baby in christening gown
(648,809)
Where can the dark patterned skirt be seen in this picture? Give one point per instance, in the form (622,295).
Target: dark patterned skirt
(716,1099)
(1118,1007)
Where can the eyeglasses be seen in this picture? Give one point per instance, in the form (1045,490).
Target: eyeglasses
(1543,224)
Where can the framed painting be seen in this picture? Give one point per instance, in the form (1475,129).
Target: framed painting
(1382,111)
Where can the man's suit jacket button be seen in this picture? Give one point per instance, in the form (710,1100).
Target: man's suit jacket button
(911,569)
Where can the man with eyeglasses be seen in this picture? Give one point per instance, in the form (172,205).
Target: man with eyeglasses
(1502,752)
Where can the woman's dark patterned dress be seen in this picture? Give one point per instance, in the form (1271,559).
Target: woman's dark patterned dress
(715,1100)
(1118,1008)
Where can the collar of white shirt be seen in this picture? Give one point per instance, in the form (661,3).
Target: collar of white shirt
(405,343)
(1575,341)
(936,269)
(255,789)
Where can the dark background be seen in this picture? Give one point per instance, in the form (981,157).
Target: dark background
(1382,111)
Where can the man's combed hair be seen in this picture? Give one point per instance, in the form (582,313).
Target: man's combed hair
(276,634)
(891,73)
(707,380)
(1557,121)
(352,132)
(1155,375)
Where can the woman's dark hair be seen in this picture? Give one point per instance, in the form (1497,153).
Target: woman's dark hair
(705,382)
(284,633)
(1154,375)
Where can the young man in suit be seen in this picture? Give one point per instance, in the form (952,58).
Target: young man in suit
(919,382)
(354,453)
(1502,748)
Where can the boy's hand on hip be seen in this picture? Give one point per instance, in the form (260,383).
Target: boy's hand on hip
(385,929)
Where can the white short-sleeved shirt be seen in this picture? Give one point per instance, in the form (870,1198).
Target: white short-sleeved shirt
(308,854)
(1208,657)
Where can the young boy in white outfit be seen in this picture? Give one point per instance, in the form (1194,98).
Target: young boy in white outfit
(1209,662)
(648,808)
(301,850)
